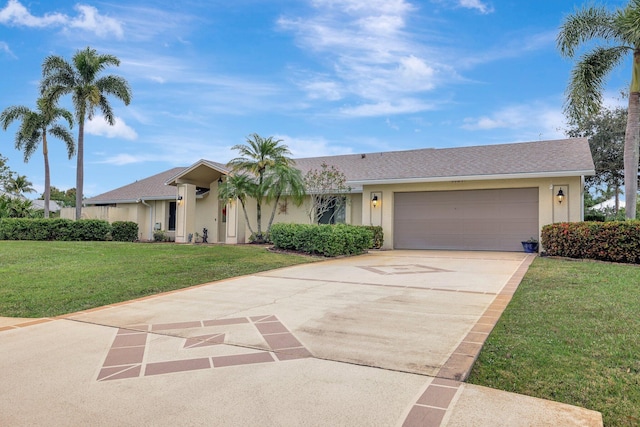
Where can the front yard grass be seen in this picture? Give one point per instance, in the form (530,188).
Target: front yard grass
(43,279)
(571,334)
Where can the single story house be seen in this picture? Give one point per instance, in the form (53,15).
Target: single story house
(488,197)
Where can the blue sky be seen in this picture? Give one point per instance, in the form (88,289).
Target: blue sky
(326,76)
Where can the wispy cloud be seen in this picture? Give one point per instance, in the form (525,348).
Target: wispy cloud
(537,120)
(302,147)
(88,19)
(480,6)
(99,126)
(4,47)
(368,53)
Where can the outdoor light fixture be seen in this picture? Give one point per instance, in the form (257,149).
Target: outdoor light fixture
(220,180)
(560,196)
(179,198)
(374,201)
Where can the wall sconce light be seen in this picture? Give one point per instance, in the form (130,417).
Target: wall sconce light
(179,200)
(220,180)
(560,196)
(374,200)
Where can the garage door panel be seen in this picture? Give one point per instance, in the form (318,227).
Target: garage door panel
(470,219)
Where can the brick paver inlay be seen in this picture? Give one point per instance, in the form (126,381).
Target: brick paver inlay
(387,270)
(126,357)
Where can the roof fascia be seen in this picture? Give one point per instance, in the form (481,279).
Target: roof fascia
(561,174)
(173,180)
(115,201)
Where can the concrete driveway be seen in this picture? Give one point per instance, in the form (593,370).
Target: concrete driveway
(383,339)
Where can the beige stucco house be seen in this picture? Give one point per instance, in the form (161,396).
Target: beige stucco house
(473,198)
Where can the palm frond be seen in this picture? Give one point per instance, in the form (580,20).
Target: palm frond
(584,93)
(586,24)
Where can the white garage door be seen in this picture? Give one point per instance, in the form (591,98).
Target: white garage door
(496,220)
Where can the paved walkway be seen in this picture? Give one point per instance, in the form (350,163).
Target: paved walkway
(384,339)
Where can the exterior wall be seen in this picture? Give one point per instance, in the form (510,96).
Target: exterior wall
(550,210)
(354,209)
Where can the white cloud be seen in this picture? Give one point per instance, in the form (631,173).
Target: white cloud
(369,53)
(478,5)
(88,19)
(302,147)
(536,120)
(99,126)
(402,106)
(4,47)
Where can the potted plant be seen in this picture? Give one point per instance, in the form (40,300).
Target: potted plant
(530,246)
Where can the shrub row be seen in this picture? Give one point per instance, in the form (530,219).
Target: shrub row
(617,241)
(66,229)
(327,240)
(378,236)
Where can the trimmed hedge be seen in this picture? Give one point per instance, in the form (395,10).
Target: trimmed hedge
(378,236)
(617,241)
(327,240)
(59,229)
(124,231)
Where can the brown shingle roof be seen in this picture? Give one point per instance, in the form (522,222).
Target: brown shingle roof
(151,188)
(543,157)
(551,158)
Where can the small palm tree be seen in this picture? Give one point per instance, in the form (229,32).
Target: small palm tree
(33,130)
(19,185)
(88,91)
(283,180)
(620,30)
(240,187)
(265,159)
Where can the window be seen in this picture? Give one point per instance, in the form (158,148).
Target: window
(172,216)
(334,211)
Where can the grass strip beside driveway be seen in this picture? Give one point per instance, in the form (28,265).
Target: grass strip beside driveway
(571,334)
(44,279)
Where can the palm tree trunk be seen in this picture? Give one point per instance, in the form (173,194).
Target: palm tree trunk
(273,213)
(47,176)
(631,139)
(80,169)
(246,217)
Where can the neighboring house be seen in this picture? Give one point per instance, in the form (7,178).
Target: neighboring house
(471,198)
(38,204)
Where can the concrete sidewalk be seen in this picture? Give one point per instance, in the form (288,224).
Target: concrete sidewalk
(381,339)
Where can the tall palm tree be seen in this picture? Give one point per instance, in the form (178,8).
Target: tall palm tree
(34,129)
(263,160)
(88,90)
(620,32)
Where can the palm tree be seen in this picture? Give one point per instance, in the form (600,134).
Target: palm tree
(620,32)
(88,91)
(34,129)
(238,186)
(264,162)
(284,180)
(20,185)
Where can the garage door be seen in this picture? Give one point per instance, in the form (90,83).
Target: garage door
(495,220)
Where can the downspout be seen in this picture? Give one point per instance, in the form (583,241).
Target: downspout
(150,218)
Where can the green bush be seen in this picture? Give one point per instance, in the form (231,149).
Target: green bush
(124,231)
(617,241)
(327,240)
(378,236)
(53,229)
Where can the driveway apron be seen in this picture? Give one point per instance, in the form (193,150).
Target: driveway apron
(384,339)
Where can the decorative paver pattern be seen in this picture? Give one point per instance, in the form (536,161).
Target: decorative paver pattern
(431,408)
(388,270)
(125,358)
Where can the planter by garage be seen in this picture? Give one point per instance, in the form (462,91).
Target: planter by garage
(530,247)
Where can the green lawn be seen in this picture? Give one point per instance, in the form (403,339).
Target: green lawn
(571,334)
(42,279)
